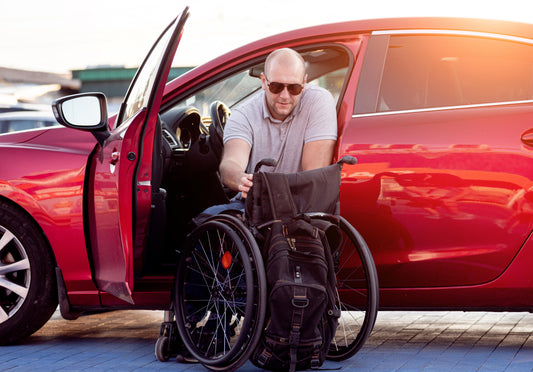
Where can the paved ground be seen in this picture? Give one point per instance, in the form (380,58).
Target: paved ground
(401,341)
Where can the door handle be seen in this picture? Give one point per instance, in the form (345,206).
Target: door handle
(115,155)
(527,137)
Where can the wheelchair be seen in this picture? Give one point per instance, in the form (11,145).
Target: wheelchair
(219,299)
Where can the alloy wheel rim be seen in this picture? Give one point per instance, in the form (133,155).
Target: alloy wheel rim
(15,274)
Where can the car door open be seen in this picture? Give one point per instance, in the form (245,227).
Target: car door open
(120,190)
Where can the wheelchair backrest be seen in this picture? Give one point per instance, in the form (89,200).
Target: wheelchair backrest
(286,195)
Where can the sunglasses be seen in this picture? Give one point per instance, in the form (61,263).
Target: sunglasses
(276,88)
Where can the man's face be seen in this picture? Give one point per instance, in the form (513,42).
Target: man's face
(281,104)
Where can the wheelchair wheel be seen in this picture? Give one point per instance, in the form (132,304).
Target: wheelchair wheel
(260,285)
(219,296)
(358,290)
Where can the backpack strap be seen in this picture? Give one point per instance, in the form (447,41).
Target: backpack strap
(299,303)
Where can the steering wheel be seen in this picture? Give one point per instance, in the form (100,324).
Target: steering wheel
(219,116)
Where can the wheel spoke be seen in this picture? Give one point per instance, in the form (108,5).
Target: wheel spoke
(5,239)
(358,286)
(3,315)
(18,289)
(26,303)
(201,261)
(205,257)
(14,267)
(213,295)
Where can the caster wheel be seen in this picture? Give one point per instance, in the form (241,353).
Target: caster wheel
(161,349)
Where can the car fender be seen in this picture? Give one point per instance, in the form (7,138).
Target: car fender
(47,181)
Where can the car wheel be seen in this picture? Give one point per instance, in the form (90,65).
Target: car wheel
(28,289)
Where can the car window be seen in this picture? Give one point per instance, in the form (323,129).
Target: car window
(16,125)
(230,91)
(430,71)
(146,82)
(326,67)
(139,95)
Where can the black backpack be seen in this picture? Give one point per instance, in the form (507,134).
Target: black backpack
(301,317)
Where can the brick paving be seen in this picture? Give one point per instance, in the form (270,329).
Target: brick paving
(401,341)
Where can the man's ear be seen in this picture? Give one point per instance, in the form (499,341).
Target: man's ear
(263,81)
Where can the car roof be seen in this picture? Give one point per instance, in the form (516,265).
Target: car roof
(350,29)
(509,28)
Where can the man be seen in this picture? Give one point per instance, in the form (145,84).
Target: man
(292,122)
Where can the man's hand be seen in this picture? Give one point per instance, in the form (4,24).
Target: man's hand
(233,165)
(245,184)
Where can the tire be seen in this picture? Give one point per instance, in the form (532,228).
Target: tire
(260,288)
(219,297)
(28,288)
(358,290)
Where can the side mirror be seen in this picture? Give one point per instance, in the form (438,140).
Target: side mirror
(84,111)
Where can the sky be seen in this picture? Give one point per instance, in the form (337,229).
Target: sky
(64,35)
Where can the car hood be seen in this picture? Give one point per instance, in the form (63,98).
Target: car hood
(54,138)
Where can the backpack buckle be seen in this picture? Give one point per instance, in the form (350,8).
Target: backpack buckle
(263,358)
(300,303)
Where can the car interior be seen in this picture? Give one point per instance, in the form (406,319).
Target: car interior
(189,149)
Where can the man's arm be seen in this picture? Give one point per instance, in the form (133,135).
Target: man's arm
(317,154)
(233,165)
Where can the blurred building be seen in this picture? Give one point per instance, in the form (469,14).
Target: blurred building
(34,90)
(29,90)
(113,81)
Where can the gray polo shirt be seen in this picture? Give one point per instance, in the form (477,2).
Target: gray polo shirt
(314,118)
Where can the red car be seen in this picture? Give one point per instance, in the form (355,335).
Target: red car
(438,112)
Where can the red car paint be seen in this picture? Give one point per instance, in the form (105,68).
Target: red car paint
(442,194)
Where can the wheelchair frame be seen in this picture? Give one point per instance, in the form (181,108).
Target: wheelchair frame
(219,298)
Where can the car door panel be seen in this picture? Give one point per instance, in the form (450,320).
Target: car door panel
(114,177)
(443,198)
(122,172)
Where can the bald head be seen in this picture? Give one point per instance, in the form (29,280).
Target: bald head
(285,59)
